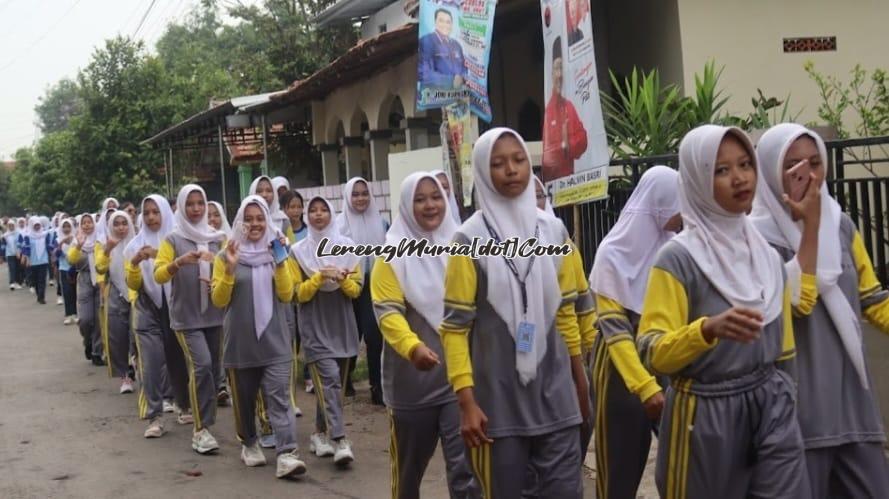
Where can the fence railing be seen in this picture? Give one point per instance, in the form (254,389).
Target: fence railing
(863,195)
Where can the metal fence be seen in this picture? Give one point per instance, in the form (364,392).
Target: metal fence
(855,179)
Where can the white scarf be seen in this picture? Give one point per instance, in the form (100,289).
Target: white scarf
(89,246)
(63,246)
(102,225)
(279,182)
(258,256)
(773,220)
(306,251)
(453,208)
(38,238)
(421,278)
(726,246)
(625,257)
(226,228)
(509,218)
(116,267)
(147,237)
(362,227)
(548,207)
(200,233)
(277,215)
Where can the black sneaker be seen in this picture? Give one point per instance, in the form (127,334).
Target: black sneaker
(350,389)
(97,361)
(222,397)
(42,302)
(376,396)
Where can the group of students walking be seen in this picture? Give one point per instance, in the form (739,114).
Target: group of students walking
(722,315)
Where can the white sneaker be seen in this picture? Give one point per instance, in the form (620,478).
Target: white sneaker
(267,441)
(33,291)
(169,407)
(343,454)
(126,386)
(155,428)
(310,387)
(297,412)
(185,418)
(252,456)
(320,445)
(289,464)
(67,321)
(60,301)
(76,320)
(203,442)
(52,284)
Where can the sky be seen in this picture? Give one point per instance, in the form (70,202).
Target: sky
(43,41)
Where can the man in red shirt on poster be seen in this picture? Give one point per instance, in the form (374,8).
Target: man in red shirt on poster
(564,136)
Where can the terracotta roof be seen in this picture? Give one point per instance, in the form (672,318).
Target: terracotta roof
(365,59)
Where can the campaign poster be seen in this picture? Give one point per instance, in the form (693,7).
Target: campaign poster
(575,149)
(453,53)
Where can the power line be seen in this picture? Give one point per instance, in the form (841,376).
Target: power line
(143,18)
(40,38)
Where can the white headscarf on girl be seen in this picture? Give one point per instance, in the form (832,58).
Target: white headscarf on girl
(38,237)
(200,233)
(306,251)
(625,257)
(278,216)
(726,246)
(147,237)
(453,207)
(102,225)
(257,256)
(61,235)
(421,278)
(510,218)
(363,228)
(89,245)
(772,218)
(226,228)
(116,267)
(548,207)
(279,182)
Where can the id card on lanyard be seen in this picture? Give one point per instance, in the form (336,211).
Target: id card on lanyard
(526,331)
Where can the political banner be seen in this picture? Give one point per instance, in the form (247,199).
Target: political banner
(575,149)
(453,54)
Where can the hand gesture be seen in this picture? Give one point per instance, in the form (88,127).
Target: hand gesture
(654,405)
(808,209)
(81,238)
(739,324)
(110,244)
(330,273)
(473,425)
(231,256)
(190,258)
(423,358)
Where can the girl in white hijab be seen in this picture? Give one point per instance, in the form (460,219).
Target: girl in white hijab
(281,185)
(110,260)
(152,323)
(716,318)
(327,327)
(408,294)
(444,178)
(82,255)
(263,187)
(361,222)
(510,335)
(217,219)
(627,397)
(36,255)
(65,239)
(184,260)
(108,206)
(839,416)
(255,291)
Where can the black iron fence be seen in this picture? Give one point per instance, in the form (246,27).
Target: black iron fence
(858,179)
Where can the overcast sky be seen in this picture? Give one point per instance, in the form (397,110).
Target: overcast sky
(43,41)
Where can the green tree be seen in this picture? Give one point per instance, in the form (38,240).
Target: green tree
(56,108)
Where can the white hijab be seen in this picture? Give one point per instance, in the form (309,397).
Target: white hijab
(102,225)
(147,237)
(520,218)
(548,207)
(453,208)
(279,182)
(61,235)
(38,237)
(258,257)
(116,266)
(773,220)
(363,228)
(726,246)
(226,228)
(200,233)
(306,251)
(625,257)
(421,278)
(277,215)
(89,245)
